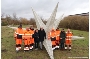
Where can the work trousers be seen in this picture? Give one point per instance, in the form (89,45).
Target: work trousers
(36,44)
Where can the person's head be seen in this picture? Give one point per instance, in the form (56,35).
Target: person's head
(62,30)
(41,28)
(27,28)
(53,30)
(68,30)
(36,30)
(57,29)
(31,27)
(20,26)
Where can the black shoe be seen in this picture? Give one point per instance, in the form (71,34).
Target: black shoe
(57,48)
(17,51)
(41,49)
(36,49)
(61,49)
(65,49)
(69,49)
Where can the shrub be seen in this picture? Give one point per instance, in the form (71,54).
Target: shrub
(75,22)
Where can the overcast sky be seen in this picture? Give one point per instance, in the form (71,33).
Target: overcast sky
(43,8)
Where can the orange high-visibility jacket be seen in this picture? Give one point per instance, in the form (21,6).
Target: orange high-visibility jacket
(69,35)
(27,35)
(57,35)
(52,34)
(18,31)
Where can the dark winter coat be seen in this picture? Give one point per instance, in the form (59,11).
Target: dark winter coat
(42,35)
(36,37)
(63,36)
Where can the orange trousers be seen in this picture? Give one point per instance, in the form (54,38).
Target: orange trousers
(18,41)
(68,42)
(27,42)
(53,42)
(57,39)
(32,41)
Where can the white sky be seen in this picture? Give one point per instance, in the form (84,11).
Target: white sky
(43,8)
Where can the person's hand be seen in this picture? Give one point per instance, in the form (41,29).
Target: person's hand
(31,37)
(15,38)
(23,38)
(45,37)
(60,38)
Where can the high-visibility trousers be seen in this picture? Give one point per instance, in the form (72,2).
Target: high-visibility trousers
(18,41)
(53,43)
(57,39)
(26,41)
(32,41)
(68,42)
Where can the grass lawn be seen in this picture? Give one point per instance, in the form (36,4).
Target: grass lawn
(80,48)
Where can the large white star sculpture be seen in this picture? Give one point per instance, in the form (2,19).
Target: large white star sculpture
(51,23)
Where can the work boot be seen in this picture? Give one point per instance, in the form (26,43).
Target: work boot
(36,49)
(17,49)
(69,49)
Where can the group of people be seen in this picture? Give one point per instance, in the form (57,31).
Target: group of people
(34,38)
(60,39)
(30,37)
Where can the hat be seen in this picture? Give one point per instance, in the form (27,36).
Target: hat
(62,29)
(58,28)
(20,26)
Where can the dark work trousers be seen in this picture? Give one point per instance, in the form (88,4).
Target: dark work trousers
(62,46)
(36,44)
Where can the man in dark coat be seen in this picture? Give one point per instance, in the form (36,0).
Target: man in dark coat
(42,36)
(62,39)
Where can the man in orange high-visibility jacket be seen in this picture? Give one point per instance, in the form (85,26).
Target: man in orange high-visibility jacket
(18,37)
(68,39)
(31,39)
(52,36)
(57,37)
(27,36)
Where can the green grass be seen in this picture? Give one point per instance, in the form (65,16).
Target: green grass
(80,48)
